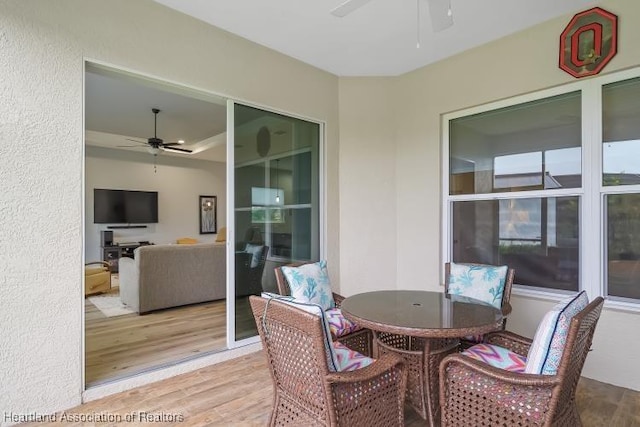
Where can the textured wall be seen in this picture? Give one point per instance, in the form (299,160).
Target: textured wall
(42,48)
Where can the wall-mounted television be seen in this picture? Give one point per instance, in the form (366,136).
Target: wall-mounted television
(124,206)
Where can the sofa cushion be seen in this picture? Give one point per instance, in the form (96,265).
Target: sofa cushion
(481,282)
(551,336)
(332,358)
(338,324)
(498,357)
(310,283)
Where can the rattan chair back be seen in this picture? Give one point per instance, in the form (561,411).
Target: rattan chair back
(306,392)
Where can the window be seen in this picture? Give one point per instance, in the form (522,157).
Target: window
(620,180)
(549,183)
(517,150)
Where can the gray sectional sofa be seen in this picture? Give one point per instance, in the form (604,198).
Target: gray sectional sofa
(164,276)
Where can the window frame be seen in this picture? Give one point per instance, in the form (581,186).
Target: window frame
(591,193)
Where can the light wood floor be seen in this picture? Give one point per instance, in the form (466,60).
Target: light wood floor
(239,393)
(119,346)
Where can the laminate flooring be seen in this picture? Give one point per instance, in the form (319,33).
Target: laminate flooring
(117,347)
(238,392)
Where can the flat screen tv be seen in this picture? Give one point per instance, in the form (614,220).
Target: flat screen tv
(124,206)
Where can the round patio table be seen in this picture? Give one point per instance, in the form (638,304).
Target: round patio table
(422,327)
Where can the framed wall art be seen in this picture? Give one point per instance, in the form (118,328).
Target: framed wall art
(208,214)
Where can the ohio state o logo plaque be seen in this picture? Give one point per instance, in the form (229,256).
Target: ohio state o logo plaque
(588,42)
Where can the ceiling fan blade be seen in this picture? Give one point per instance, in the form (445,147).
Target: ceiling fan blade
(347,7)
(441,16)
(176,149)
(135,140)
(167,144)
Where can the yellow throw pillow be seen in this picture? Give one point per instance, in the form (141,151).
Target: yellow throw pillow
(186,241)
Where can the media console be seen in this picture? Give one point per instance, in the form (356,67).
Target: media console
(112,253)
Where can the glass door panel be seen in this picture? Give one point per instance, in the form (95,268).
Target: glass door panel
(276,211)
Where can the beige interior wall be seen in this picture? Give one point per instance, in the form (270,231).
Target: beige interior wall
(522,63)
(367,185)
(410,137)
(178,181)
(43,45)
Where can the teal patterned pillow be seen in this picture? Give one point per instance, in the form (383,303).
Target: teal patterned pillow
(310,283)
(481,282)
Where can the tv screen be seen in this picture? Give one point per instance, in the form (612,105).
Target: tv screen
(124,206)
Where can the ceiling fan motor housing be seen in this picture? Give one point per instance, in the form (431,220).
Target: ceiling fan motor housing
(155,142)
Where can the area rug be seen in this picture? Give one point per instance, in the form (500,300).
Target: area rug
(110,305)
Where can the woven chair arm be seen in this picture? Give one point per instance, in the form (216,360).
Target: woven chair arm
(470,388)
(514,342)
(338,299)
(380,366)
(381,384)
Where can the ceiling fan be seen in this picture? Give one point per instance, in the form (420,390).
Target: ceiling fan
(440,11)
(155,145)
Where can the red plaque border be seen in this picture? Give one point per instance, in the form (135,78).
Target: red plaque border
(588,42)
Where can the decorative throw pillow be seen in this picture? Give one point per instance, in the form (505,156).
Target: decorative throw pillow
(551,336)
(332,358)
(256,252)
(338,324)
(481,282)
(498,357)
(310,283)
(350,360)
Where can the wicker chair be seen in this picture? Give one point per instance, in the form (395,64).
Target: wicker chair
(360,340)
(306,392)
(506,297)
(475,393)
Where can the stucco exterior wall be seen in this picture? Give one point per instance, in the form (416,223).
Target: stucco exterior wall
(43,46)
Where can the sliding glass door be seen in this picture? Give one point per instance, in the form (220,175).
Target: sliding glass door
(274,218)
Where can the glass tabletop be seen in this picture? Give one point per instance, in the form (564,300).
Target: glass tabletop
(421,313)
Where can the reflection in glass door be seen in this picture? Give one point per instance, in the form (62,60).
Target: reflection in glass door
(276,215)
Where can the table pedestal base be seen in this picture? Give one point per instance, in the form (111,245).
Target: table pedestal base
(422,357)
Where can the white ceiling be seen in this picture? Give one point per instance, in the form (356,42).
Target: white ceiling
(379,38)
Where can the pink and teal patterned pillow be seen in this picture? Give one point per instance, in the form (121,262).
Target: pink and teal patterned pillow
(338,324)
(310,283)
(551,336)
(498,357)
(349,360)
(481,282)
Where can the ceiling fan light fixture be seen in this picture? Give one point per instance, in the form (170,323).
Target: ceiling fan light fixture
(154,150)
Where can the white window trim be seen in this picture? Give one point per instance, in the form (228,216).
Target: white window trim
(592,212)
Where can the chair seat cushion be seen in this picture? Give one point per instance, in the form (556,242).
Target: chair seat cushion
(310,283)
(338,324)
(481,282)
(498,357)
(551,336)
(349,360)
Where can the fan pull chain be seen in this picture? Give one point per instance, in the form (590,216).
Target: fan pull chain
(418,24)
